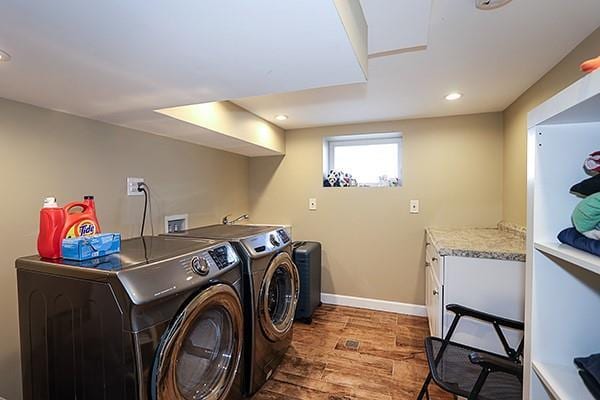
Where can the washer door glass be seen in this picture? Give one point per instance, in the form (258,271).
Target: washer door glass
(200,353)
(278,297)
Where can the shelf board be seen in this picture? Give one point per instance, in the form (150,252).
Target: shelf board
(572,255)
(562,381)
(576,104)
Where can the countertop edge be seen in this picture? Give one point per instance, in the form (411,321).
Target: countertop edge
(470,253)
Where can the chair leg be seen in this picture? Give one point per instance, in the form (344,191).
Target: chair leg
(479,384)
(425,389)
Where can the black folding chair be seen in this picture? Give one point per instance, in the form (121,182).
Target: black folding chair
(474,373)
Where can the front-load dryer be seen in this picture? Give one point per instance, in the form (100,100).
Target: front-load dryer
(271,285)
(161,320)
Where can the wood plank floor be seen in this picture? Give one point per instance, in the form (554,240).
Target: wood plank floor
(353,354)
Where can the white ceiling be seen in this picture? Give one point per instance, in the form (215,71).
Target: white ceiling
(490,56)
(396,25)
(117,61)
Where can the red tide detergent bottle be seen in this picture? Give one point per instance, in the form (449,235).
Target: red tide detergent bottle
(83,222)
(57,223)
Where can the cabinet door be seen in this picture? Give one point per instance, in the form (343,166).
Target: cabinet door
(492,286)
(433,258)
(433,302)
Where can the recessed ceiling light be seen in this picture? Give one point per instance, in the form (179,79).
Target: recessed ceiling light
(4,56)
(453,96)
(490,4)
(281,117)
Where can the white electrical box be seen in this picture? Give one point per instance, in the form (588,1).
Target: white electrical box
(312,204)
(176,223)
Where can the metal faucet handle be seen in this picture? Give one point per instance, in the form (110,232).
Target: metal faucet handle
(226,220)
(241,217)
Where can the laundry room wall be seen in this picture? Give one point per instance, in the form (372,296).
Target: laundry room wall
(45,153)
(515,124)
(373,247)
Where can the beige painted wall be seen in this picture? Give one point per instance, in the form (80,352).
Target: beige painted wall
(49,153)
(515,124)
(372,246)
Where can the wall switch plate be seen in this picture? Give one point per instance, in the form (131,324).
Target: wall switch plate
(414,206)
(176,223)
(312,204)
(132,186)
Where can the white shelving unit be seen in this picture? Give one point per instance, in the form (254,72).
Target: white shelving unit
(561,382)
(570,254)
(562,283)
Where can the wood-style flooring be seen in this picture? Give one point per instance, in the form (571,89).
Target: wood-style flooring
(353,354)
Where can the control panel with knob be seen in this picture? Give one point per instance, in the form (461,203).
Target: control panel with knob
(283,235)
(266,242)
(222,257)
(200,265)
(273,240)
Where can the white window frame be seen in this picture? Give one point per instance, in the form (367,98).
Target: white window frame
(331,142)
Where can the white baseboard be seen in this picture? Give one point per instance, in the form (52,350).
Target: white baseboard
(374,304)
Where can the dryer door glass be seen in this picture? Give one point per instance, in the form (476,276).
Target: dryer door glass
(278,297)
(200,354)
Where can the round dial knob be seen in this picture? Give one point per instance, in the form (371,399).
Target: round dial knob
(200,265)
(274,240)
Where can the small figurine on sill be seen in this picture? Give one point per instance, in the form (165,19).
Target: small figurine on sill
(339,179)
(345,179)
(332,179)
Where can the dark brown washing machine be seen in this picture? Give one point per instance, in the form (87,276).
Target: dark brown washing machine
(162,320)
(271,285)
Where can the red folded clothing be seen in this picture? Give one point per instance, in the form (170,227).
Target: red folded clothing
(592,163)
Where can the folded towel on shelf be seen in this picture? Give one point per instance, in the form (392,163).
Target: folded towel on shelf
(590,373)
(591,383)
(587,187)
(575,239)
(586,216)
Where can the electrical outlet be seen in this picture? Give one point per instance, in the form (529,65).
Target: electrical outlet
(132,186)
(414,206)
(312,204)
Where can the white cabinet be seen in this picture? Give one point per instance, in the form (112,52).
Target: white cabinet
(492,286)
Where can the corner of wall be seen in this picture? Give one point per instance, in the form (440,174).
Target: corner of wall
(514,180)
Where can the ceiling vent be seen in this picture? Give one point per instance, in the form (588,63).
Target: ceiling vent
(490,4)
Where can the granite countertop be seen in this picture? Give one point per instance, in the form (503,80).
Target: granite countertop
(506,242)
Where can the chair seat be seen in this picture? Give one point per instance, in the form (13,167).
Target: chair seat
(455,373)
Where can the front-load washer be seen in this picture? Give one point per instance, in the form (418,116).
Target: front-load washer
(161,320)
(271,286)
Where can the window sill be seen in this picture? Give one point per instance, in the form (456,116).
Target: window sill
(363,187)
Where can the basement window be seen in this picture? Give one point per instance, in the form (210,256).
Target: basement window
(365,160)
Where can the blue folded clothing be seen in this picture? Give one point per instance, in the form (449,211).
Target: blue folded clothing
(575,239)
(590,373)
